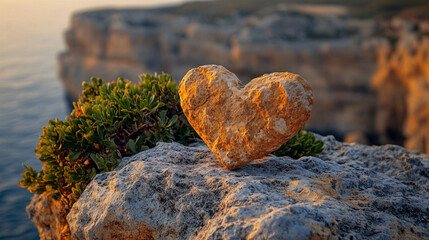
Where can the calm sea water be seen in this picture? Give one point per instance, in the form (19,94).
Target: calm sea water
(31,93)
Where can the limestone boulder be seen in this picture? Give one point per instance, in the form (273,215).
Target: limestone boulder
(178,192)
(243,123)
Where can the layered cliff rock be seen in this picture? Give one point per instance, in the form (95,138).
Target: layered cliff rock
(402,83)
(335,54)
(177,192)
(49,218)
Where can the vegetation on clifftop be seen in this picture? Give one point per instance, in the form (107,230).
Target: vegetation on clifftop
(116,120)
(302,144)
(108,122)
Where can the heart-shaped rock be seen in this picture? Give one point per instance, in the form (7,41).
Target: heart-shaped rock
(243,123)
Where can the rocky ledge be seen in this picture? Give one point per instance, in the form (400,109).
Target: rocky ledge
(178,192)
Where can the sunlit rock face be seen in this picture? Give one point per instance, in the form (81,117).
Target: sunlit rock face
(402,84)
(243,123)
(336,55)
(49,218)
(178,192)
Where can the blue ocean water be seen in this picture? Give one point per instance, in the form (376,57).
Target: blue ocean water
(31,93)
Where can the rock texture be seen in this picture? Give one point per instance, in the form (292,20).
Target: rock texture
(403,79)
(48,217)
(178,192)
(243,123)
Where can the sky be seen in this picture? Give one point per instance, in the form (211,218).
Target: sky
(29,19)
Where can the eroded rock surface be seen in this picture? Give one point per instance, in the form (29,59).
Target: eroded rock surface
(243,123)
(47,215)
(178,192)
(402,84)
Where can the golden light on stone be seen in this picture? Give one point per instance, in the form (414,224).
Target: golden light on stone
(243,123)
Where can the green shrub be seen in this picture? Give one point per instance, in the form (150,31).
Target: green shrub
(302,144)
(108,122)
(112,121)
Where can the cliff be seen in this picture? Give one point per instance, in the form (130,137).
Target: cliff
(177,192)
(49,218)
(336,54)
(369,76)
(402,84)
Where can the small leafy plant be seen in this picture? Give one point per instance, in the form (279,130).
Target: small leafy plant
(116,120)
(108,122)
(302,144)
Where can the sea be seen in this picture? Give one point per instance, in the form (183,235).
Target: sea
(31,37)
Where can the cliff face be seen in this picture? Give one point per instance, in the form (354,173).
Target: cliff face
(49,218)
(402,84)
(354,96)
(336,55)
(178,192)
